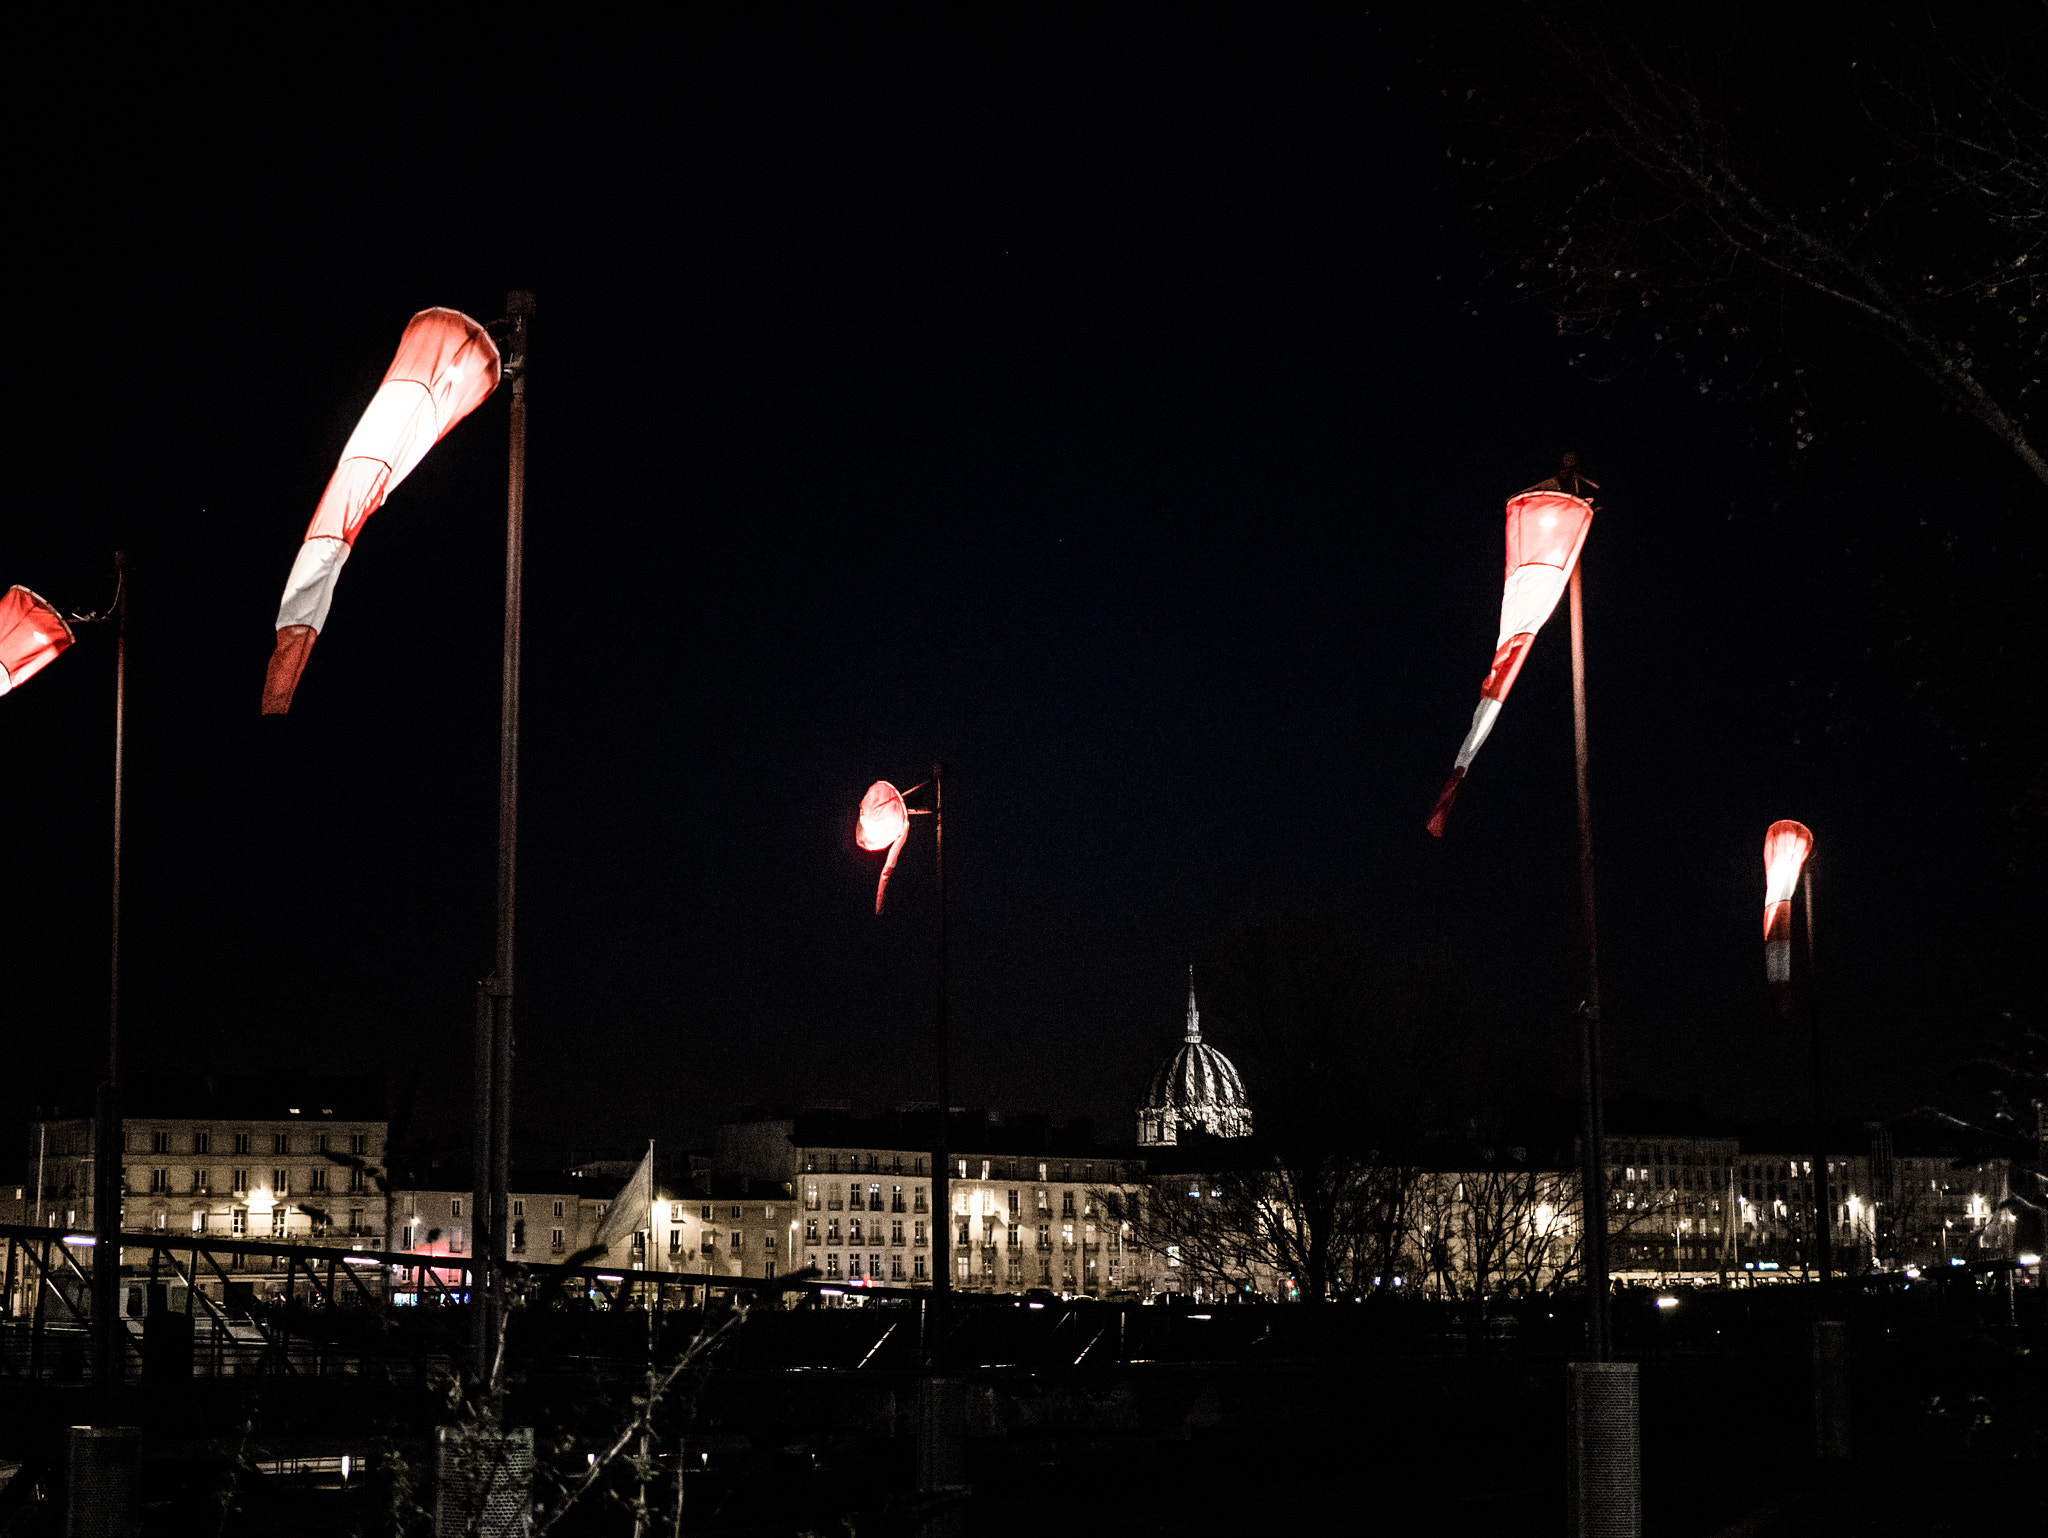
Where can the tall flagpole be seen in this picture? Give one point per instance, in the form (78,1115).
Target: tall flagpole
(493,1142)
(942,1173)
(108,1182)
(1594,1175)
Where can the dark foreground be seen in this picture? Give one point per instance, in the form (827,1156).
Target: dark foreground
(1251,1420)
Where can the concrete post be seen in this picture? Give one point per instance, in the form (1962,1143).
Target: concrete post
(1603,1463)
(483,1482)
(1830,1389)
(102,1482)
(942,1456)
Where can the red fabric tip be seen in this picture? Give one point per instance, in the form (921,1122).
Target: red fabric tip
(1444,801)
(287,662)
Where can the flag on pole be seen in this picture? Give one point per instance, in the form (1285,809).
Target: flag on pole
(1546,531)
(631,1210)
(447,366)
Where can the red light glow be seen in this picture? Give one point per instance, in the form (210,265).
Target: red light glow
(884,823)
(31,635)
(1787,846)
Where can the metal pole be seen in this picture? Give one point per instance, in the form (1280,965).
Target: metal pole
(519,308)
(107,1181)
(1821,1209)
(942,1207)
(1594,1175)
(490,1143)
(483,1101)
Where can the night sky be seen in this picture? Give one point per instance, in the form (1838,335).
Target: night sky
(1116,430)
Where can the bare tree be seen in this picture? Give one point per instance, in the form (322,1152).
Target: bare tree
(1251,1219)
(1731,187)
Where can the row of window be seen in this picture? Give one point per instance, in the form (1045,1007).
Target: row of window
(835,1162)
(835,1202)
(709,1212)
(854,1234)
(877,1164)
(280,1142)
(238,1223)
(873,1270)
(707,1242)
(281,1182)
(518,1207)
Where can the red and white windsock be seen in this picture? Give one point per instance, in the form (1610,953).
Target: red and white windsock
(1546,531)
(884,823)
(1786,848)
(446,367)
(32,633)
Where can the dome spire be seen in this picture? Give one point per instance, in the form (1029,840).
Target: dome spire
(1194,1014)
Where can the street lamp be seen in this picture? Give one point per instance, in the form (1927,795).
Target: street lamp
(883,823)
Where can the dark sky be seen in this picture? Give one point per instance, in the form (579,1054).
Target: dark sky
(1115,429)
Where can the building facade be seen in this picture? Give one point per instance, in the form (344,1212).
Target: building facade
(1033,1207)
(295,1160)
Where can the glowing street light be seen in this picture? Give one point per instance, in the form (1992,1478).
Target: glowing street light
(32,633)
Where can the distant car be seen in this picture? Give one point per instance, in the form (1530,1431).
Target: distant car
(1039,1297)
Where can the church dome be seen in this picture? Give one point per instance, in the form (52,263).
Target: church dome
(1197,1087)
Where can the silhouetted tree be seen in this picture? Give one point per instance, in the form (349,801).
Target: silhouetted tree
(1737,188)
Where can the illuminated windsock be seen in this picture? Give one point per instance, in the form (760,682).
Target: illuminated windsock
(1786,847)
(1546,530)
(32,633)
(446,367)
(884,824)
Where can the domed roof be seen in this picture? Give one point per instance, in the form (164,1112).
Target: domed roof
(1197,1087)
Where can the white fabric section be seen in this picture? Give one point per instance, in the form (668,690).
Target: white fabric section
(1482,723)
(1777,961)
(631,1211)
(6,683)
(1527,599)
(397,428)
(309,590)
